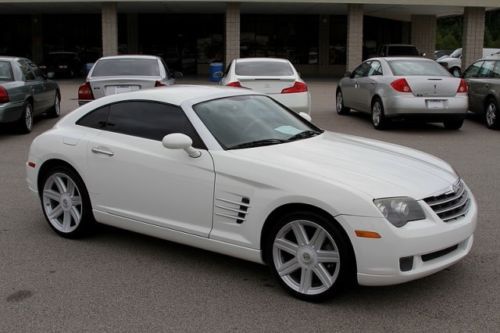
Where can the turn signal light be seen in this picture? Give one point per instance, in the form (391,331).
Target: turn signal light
(296,88)
(32,164)
(367,234)
(4,95)
(235,84)
(85,92)
(401,85)
(159,84)
(462,87)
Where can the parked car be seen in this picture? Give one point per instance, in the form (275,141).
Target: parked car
(275,77)
(391,50)
(454,62)
(233,171)
(407,88)
(62,64)
(25,92)
(438,54)
(124,73)
(483,78)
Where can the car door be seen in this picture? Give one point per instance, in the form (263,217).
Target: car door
(471,75)
(350,85)
(486,83)
(133,176)
(367,84)
(34,86)
(47,91)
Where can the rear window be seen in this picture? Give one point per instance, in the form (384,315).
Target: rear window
(5,71)
(417,67)
(128,66)
(263,68)
(402,51)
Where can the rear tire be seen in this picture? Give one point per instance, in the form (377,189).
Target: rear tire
(453,124)
(339,105)
(491,114)
(456,72)
(55,111)
(379,120)
(25,123)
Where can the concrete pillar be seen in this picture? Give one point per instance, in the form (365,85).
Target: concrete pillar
(354,35)
(473,35)
(132,34)
(324,42)
(423,33)
(232,32)
(109,19)
(36,39)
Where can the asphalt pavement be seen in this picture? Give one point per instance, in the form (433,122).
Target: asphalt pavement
(119,281)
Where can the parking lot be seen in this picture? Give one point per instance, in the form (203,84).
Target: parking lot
(121,281)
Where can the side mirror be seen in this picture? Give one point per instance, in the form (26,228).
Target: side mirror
(180,141)
(178,75)
(305,116)
(347,74)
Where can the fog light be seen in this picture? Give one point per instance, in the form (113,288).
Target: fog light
(406,264)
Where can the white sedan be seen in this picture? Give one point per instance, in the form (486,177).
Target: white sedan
(232,171)
(275,77)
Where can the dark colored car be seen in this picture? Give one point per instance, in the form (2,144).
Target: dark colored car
(483,78)
(25,92)
(62,64)
(394,50)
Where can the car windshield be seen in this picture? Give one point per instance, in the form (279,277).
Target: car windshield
(5,71)
(126,67)
(402,50)
(252,121)
(263,68)
(456,54)
(412,67)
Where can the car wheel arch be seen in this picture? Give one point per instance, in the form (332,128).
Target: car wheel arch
(298,207)
(488,98)
(51,164)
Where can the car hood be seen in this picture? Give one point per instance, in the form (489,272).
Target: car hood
(375,168)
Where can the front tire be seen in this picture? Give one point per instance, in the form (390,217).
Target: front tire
(456,72)
(379,120)
(309,255)
(491,114)
(339,104)
(65,202)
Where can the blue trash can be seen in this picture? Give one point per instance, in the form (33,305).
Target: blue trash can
(215,71)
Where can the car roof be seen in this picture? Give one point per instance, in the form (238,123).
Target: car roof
(263,59)
(401,58)
(495,56)
(9,58)
(130,56)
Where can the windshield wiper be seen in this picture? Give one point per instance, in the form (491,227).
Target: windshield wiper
(257,143)
(303,135)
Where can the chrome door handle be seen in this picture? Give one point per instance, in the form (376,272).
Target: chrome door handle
(103,151)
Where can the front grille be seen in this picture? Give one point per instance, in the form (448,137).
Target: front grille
(451,205)
(440,253)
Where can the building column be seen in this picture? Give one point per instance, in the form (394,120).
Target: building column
(324,42)
(354,35)
(473,35)
(232,32)
(132,34)
(36,39)
(423,33)
(109,19)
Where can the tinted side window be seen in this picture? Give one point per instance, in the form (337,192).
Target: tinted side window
(26,70)
(150,120)
(487,70)
(473,70)
(375,68)
(496,71)
(95,119)
(362,70)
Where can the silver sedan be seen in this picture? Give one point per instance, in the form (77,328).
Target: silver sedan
(406,88)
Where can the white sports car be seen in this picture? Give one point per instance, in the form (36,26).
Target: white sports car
(232,171)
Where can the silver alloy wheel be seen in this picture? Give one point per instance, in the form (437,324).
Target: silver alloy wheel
(306,257)
(339,102)
(62,202)
(57,106)
(28,117)
(376,113)
(491,114)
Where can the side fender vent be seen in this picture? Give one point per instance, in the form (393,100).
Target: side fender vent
(231,209)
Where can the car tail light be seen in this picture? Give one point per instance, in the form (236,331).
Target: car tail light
(401,85)
(296,88)
(4,95)
(462,87)
(85,92)
(159,84)
(235,84)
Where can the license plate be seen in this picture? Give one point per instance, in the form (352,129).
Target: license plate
(435,104)
(122,89)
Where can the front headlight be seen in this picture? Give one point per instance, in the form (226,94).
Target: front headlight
(400,211)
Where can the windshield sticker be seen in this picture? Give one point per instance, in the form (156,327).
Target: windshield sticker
(290,130)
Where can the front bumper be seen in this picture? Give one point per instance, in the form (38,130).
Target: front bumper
(406,106)
(298,102)
(431,244)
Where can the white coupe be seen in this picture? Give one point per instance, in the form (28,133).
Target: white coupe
(232,171)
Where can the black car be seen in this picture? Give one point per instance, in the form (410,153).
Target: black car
(62,64)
